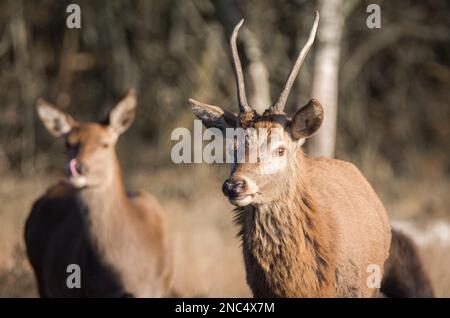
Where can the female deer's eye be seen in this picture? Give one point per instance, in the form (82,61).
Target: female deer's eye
(280,151)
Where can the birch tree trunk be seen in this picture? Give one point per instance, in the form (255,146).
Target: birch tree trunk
(326,73)
(251,56)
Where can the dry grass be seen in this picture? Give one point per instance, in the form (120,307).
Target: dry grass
(437,260)
(208,260)
(207,252)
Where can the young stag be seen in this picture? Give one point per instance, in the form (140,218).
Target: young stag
(310,227)
(118,240)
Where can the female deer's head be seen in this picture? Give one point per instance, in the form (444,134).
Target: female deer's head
(90,146)
(276,165)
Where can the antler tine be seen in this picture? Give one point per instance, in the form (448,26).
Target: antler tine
(243,105)
(281,102)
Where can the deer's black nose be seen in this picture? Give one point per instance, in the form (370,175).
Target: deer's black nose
(81,168)
(233,188)
(77,168)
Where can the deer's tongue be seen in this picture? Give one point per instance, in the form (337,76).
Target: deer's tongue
(72,168)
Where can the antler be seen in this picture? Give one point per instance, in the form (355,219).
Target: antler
(281,102)
(242,100)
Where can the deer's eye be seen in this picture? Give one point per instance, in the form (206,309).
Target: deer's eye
(105,145)
(280,151)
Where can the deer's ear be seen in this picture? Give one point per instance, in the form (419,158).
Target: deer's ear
(122,115)
(56,121)
(307,120)
(214,116)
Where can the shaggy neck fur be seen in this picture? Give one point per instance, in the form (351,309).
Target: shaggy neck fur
(287,246)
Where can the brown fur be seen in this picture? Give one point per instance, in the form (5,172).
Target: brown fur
(285,236)
(296,247)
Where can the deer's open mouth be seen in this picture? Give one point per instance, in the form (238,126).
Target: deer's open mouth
(75,178)
(241,200)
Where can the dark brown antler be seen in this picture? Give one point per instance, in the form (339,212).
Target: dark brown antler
(281,102)
(242,99)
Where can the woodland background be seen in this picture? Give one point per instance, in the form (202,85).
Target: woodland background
(392,121)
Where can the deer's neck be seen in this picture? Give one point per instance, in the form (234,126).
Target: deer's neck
(105,212)
(288,246)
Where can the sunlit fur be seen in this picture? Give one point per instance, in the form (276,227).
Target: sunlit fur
(285,249)
(313,226)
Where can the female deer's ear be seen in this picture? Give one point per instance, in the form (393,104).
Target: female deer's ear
(213,116)
(307,120)
(122,115)
(56,121)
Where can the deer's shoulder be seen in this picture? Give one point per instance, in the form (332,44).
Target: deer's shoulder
(144,203)
(328,163)
(338,178)
(139,197)
(333,168)
(341,185)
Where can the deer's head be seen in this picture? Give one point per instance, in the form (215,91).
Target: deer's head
(90,145)
(265,179)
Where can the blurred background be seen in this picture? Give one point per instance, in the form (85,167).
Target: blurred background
(386,92)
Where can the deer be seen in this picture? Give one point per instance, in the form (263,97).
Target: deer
(309,227)
(405,275)
(119,239)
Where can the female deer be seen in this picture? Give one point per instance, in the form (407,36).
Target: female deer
(118,240)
